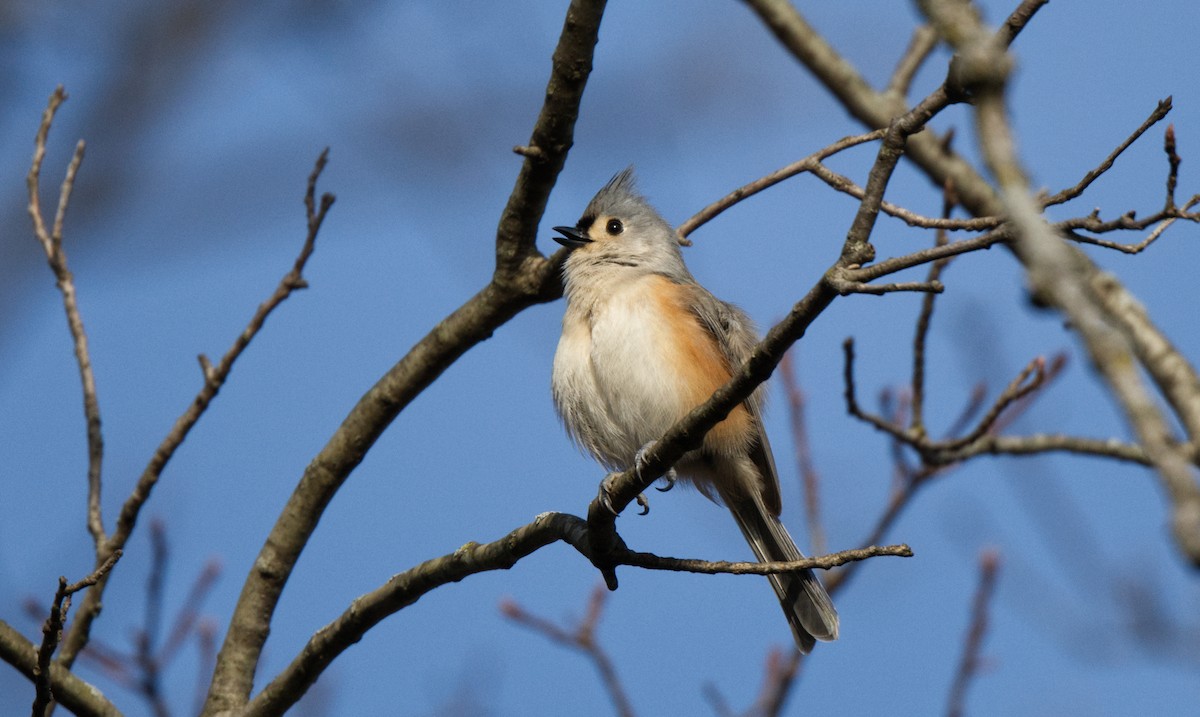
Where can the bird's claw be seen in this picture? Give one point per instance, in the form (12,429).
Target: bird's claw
(639,462)
(605,496)
(644,502)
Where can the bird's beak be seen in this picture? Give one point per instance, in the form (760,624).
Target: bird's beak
(571,237)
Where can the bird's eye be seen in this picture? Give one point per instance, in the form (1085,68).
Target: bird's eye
(614,227)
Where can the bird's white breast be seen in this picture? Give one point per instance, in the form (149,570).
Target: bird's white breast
(616,371)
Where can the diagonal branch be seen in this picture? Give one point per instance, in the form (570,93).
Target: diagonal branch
(811,163)
(877,109)
(920,47)
(401,591)
(982,70)
(689,432)
(522,278)
(1066,195)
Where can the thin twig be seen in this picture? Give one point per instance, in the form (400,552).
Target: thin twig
(1129,221)
(206,648)
(810,479)
(1173,162)
(141,669)
(920,47)
(938,454)
(1017,407)
(581,637)
(904,490)
(214,378)
(187,620)
(52,632)
(925,256)
(81,698)
(1030,379)
(778,680)
(1160,111)
(968,666)
(971,408)
(925,317)
(1017,20)
(845,185)
(807,164)
(1062,277)
(857,249)
(850,394)
(650,561)
(716,700)
(149,683)
(845,287)
(51,241)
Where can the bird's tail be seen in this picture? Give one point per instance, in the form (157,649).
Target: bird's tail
(807,606)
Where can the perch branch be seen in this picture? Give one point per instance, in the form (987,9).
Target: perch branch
(406,588)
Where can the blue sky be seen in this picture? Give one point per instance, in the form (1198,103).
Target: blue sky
(188,211)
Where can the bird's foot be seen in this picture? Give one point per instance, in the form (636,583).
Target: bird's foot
(605,496)
(639,462)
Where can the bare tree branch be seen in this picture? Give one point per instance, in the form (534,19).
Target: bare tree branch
(779,678)
(582,638)
(1062,277)
(650,561)
(406,588)
(403,590)
(968,667)
(51,241)
(1066,195)
(924,319)
(845,185)
(1017,20)
(981,66)
(214,378)
(622,488)
(52,632)
(522,278)
(809,478)
(1092,223)
(811,163)
(80,697)
(920,47)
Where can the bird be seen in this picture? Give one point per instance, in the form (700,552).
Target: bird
(643,343)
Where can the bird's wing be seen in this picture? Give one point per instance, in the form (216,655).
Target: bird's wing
(735,334)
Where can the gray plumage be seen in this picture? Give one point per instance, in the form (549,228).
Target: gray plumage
(643,343)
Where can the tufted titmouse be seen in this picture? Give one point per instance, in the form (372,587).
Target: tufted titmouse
(642,345)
